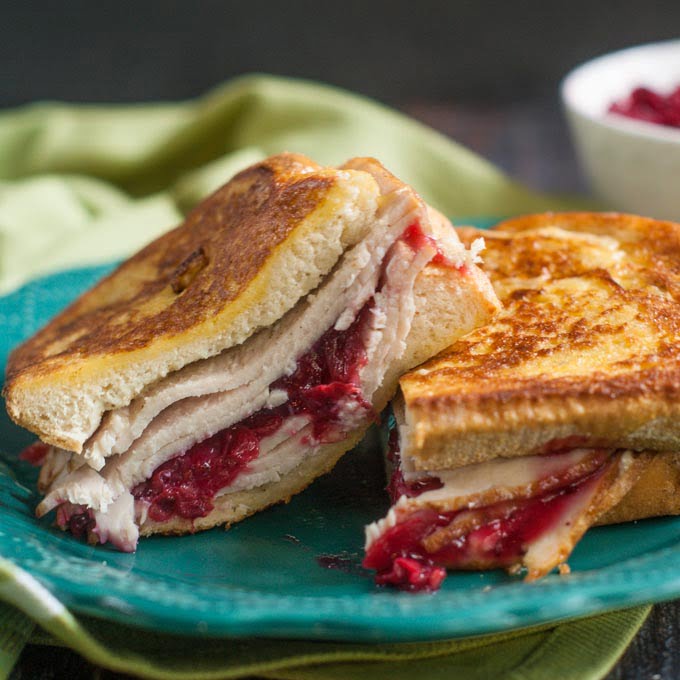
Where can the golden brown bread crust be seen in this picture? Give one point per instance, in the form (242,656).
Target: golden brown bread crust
(190,294)
(588,345)
(218,251)
(656,493)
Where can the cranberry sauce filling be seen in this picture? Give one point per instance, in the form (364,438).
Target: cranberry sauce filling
(326,378)
(325,382)
(652,107)
(35,453)
(416,238)
(412,574)
(397,485)
(185,486)
(77,519)
(572,441)
(507,530)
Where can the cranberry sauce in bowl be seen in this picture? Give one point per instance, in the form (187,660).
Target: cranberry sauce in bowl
(632,161)
(650,106)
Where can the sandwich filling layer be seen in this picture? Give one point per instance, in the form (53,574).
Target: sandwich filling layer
(506,513)
(247,418)
(323,398)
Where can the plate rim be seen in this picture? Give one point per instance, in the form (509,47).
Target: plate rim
(508,605)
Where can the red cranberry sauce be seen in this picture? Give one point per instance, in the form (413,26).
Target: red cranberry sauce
(502,539)
(327,378)
(35,453)
(185,486)
(652,107)
(412,574)
(572,441)
(77,519)
(416,238)
(397,485)
(325,381)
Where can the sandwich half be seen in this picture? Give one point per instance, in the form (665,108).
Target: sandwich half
(562,413)
(236,358)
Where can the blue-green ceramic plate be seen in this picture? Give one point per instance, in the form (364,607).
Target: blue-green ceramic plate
(270,575)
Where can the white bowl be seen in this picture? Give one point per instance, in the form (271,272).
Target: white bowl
(632,165)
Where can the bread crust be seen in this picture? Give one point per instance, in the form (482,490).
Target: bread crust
(655,494)
(241,259)
(587,346)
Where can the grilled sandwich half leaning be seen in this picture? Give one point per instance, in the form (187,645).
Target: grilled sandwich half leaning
(237,357)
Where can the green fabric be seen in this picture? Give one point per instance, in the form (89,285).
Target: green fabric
(87,184)
(583,650)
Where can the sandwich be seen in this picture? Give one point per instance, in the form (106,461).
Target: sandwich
(233,360)
(562,413)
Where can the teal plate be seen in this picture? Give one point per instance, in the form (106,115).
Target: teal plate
(294,571)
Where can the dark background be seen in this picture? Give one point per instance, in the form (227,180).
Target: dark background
(485,73)
(398,51)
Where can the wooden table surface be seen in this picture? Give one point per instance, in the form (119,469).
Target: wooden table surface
(529,141)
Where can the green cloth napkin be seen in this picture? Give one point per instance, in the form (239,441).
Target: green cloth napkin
(82,185)
(86,184)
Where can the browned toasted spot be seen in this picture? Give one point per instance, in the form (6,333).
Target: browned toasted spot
(188,275)
(187,270)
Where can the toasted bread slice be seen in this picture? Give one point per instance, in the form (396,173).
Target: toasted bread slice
(586,352)
(242,259)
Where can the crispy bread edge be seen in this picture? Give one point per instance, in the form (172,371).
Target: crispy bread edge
(446,435)
(655,494)
(623,226)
